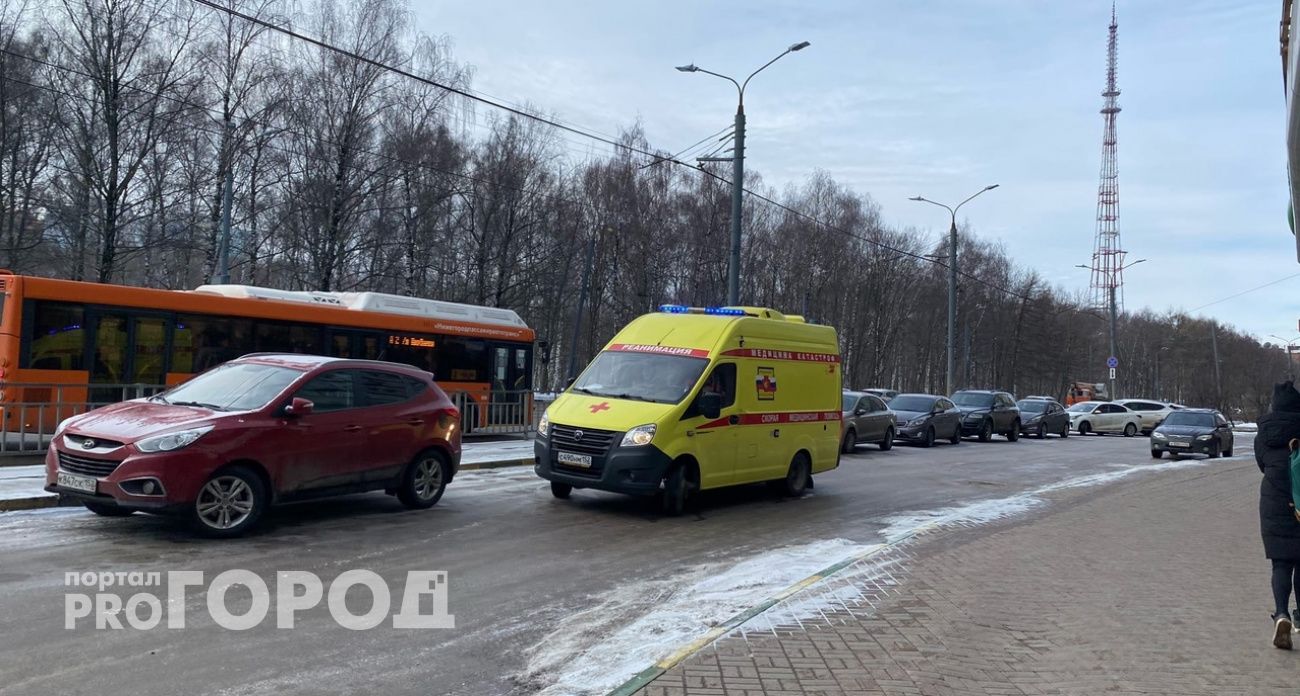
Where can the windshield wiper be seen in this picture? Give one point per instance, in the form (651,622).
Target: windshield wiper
(159,398)
(199,404)
(632,397)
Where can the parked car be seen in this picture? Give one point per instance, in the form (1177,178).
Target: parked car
(1103,417)
(221,448)
(1193,431)
(1150,412)
(885,394)
(924,418)
(1041,415)
(867,419)
(987,413)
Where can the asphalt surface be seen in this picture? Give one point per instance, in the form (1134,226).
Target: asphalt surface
(530,577)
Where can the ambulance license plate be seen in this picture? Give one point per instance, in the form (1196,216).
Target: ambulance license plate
(571,459)
(76,483)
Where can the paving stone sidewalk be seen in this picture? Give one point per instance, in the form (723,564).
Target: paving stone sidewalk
(1156,585)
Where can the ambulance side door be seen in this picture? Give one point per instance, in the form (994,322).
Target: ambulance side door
(714,441)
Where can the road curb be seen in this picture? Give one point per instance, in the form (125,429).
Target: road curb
(653,672)
(479,466)
(30,503)
(46,500)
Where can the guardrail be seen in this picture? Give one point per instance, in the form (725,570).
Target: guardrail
(30,412)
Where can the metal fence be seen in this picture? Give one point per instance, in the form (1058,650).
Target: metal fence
(31,411)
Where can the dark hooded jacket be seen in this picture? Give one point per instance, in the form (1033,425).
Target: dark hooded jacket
(1277,521)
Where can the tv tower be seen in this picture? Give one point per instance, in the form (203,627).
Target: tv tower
(1107,255)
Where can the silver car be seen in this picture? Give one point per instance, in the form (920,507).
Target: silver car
(866,419)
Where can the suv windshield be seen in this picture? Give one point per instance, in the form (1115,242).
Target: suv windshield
(232,387)
(1032,405)
(973,399)
(920,404)
(662,379)
(1201,420)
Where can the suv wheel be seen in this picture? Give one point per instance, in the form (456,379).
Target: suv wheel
(1084,428)
(423,481)
(850,442)
(1042,431)
(1130,430)
(1014,433)
(927,440)
(230,503)
(986,431)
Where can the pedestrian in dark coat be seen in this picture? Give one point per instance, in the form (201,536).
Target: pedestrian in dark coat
(1279,433)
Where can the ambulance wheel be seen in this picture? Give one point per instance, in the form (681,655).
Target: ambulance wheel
(850,442)
(561,490)
(887,443)
(798,478)
(677,489)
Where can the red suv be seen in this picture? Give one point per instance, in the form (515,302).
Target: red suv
(263,429)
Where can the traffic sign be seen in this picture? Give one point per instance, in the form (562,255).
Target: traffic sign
(1112,373)
(1112,362)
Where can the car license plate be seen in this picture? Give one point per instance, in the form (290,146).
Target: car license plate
(77,483)
(571,459)
(1179,443)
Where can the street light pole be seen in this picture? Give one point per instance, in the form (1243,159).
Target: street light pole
(738,168)
(1114,331)
(952,282)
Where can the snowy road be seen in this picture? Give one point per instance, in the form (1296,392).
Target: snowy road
(564,596)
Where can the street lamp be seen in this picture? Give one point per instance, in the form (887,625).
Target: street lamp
(738,167)
(1289,343)
(952,279)
(1114,350)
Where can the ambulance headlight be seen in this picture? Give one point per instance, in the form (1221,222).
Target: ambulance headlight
(544,425)
(639,436)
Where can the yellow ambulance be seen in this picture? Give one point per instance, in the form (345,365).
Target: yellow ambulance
(688,399)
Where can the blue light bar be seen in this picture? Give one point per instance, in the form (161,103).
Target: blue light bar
(725,311)
(674,309)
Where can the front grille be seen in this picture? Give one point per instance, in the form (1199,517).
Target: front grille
(86,465)
(582,440)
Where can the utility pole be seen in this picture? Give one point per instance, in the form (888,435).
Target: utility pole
(223,241)
(738,168)
(1218,384)
(572,372)
(737,191)
(1114,350)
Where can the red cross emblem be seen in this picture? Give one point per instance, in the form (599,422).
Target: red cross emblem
(597,408)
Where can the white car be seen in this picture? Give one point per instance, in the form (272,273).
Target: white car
(1149,410)
(1103,417)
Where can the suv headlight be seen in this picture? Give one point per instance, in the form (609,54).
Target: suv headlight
(172,441)
(1159,436)
(544,425)
(639,436)
(1203,437)
(63,425)
(918,421)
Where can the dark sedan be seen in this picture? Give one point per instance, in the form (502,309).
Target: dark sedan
(988,413)
(924,418)
(1040,416)
(1192,431)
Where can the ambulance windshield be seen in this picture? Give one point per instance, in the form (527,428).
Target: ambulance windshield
(662,379)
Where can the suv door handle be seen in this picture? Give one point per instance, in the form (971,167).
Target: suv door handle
(415,421)
(351,428)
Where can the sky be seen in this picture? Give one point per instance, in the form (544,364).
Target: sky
(897,98)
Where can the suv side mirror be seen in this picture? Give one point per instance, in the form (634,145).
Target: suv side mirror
(860,412)
(709,404)
(299,407)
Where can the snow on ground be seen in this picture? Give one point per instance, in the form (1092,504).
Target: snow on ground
(595,650)
(1245,427)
